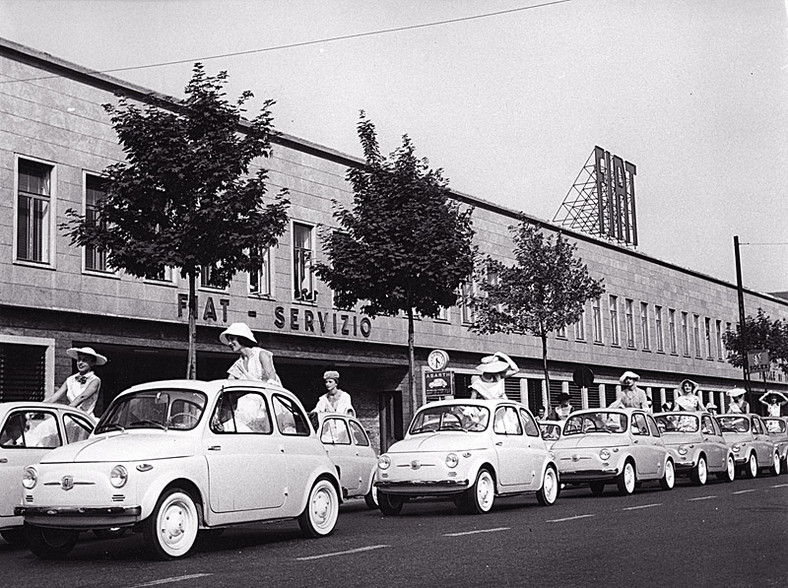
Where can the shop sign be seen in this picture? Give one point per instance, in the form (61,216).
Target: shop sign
(758,361)
(438,384)
(325,323)
(211,311)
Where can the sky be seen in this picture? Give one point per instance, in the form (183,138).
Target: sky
(508,97)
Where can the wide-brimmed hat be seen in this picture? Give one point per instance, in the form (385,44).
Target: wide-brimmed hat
(711,405)
(74,352)
(628,374)
(735,392)
(240,330)
(498,363)
(331,375)
(691,383)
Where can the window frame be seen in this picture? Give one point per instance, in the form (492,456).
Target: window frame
(299,265)
(49,239)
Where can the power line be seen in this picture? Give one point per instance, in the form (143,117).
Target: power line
(313,42)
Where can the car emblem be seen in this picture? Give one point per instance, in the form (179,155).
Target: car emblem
(67,483)
(415,464)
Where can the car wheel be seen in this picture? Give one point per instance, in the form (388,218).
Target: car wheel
(14,537)
(751,469)
(597,488)
(776,464)
(113,533)
(668,479)
(371,498)
(627,479)
(700,474)
(480,497)
(49,543)
(171,529)
(322,509)
(548,493)
(390,504)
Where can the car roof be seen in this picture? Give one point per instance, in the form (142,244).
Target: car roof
(210,388)
(39,404)
(489,403)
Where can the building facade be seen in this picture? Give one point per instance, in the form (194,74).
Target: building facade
(662,321)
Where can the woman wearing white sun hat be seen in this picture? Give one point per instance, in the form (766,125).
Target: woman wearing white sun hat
(81,390)
(738,404)
(253,363)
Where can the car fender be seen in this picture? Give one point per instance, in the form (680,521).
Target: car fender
(329,473)
(191,470)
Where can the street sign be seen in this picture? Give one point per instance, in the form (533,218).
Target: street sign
(583,377)
(758,361)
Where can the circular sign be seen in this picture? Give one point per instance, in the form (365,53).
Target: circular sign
(583,377)
(437,359)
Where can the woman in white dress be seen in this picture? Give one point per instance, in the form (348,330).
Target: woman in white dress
(253,363)
(81,390)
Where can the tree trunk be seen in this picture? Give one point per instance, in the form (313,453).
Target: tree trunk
(411,364)
(191,358)
(544,365)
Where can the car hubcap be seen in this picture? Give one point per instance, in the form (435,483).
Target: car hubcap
(550,486)
(485,492)
(629,478)
(174,523)
(702,471)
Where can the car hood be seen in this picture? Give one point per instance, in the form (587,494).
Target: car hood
(737,437)
(591,440)
(121,447)
(443,441)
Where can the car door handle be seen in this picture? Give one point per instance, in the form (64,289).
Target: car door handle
(281,449)
(214,448)
(635,441)
(499,443)
(3,460)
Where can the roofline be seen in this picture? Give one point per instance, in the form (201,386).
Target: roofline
(115,85)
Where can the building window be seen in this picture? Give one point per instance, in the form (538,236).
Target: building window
(707,337)
(644,326)
(696,333)
(34,204)
(443,314)
(467,290)
(596,309)
(580,327)
(208,279)
(303,280)
(95,259)
(718,335)
(672,329)
(685,349)
(561,332)
(658,328)
(260,282)
(614,327)
(630,322)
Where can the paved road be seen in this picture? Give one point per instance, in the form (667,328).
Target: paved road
(718,535)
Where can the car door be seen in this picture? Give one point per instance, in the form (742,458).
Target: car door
(716,448)
(644,447)
(301,450)
(246,460)
(365,456)
(26,435)
(512,447)
(335,436)
(764,446)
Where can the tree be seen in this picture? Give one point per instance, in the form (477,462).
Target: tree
(405,246)
(543,291)
(760,332)
(184,197)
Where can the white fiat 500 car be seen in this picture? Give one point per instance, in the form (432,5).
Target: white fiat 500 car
(697,445)
(28,431)
(173,457)
(752,446)
(606,445)
(347,444)
(470,451)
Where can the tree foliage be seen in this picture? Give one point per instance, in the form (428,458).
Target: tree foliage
(184,197)
(404,245)
(761,332)
(545,290)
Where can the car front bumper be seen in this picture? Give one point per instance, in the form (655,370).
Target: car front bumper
(424,488)
(73,517)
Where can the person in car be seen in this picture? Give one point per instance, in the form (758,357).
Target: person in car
(334,400)
(253,363)
(738,404)
(630,396)
(493,369)
(81,390)
(774,402)
(687,396)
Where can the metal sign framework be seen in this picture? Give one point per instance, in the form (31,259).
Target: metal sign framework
(601,201)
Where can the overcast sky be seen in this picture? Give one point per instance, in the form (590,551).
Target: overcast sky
(510,105)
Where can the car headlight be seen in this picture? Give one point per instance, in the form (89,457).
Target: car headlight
(682,450)
(452,460)
(30,478)
(118,476)
(736,447)
(604,454)
(384,461)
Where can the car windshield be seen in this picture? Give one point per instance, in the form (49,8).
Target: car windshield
(154,409)
(678,423)
(595,422)
(453,417)
(734,424)
(774,425)
(550,432)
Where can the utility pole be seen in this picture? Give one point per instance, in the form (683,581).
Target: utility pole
(742,329)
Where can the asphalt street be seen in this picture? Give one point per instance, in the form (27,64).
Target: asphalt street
(717,535)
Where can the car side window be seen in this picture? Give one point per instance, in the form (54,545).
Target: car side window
(241,412)
(506,421)
(639,424)
(335,432)
(76,428)
(359,434)
(12,434)
(42,430)
(707,425)
(757,426)
(531,428)
(652,426)
(290,419)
